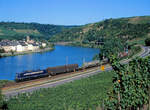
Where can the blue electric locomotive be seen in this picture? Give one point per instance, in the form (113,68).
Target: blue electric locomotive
(28,75)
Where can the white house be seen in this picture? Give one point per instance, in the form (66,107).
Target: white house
(13,48)
(43,44)
(19,48)
(30,47)
(9,48)
(25,48)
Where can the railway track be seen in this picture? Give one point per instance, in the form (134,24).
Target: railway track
(30,86)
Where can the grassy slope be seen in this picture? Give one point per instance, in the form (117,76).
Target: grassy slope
(78,95)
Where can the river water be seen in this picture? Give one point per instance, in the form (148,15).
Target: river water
(62,55)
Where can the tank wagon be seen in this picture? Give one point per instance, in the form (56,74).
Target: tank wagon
(91,64)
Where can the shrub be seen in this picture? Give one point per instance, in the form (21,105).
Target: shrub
(147,42)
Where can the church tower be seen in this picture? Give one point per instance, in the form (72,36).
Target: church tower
(28,38)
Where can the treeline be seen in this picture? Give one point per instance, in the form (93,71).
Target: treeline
(121,28)
(36,30)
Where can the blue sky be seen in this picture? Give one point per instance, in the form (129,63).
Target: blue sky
(70,12)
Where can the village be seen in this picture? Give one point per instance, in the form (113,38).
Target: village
(21,45)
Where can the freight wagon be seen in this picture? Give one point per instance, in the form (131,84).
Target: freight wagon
(62,69)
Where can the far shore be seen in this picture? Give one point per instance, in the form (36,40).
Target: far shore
(62,43)
(75,44)
(25,52)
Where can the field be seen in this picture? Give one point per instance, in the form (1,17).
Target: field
(87,93)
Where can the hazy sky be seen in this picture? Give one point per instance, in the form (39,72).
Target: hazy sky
(70,12)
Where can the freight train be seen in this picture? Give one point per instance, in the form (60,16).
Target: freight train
(51,71)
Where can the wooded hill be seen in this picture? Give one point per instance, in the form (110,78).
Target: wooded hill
(127,28)
(13,30)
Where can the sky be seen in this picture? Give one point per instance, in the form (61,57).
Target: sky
(70,12)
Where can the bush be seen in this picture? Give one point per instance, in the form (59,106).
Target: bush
(147,42)
(2,51)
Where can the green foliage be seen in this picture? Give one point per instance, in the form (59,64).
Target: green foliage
(3,104)
(1,99)
(134,50)
(112,46)
(12,30)
(139,20)
(3,82)
(84,94)
(123,28)
(130,82)
(2,51)
(147,42)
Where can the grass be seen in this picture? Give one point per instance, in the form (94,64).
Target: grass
(87,93)
(3,82)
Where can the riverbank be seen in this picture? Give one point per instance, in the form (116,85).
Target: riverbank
(26,52)
(78,44)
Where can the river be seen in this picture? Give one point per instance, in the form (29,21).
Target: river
(62,55)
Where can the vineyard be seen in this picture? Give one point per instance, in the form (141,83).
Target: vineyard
(78,95)
(131,85)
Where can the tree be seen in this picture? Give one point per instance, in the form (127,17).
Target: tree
(111,46)
(2,51)
(3,104)
(147,41)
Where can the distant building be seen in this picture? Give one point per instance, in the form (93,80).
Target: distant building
(21,45)
(35,46)
(27,38)
(43,44)
(30,47)
(19,48)
(7,48)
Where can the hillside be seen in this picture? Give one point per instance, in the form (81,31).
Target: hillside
(126,28)
(13,30)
